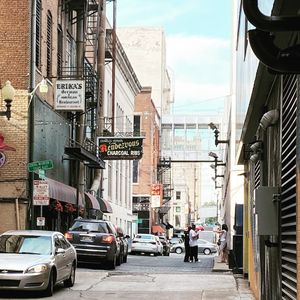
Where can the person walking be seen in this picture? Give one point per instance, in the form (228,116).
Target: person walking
(187,256)
(223,242)
(193,237)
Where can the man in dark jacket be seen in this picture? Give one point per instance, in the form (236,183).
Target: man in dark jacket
(187,256)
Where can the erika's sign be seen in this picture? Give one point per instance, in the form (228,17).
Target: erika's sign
(120,148)
(70,95)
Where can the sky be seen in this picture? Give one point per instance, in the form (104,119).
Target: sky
(198,41)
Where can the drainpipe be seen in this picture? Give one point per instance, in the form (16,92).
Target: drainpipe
(80,118)
(30,124)
(98,175)
(113,88)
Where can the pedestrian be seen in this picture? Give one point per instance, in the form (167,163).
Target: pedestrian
(223,233)
(186,237)
(193,242)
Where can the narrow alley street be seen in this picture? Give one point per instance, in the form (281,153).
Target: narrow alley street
(149,277)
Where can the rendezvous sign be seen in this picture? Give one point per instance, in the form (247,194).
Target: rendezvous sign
(125,148)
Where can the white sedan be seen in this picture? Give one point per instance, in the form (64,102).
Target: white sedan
(146,243)
(36,260)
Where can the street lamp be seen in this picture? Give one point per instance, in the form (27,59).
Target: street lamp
(8,93)
(216,132)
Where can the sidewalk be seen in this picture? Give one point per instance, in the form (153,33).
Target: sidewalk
(242,283)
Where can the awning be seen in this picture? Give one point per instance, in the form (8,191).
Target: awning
(158,229)
(105,206)
(94,203)
(63,192)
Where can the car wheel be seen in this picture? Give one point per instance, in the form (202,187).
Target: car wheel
(206,251)
(50,287)
(178,250)
(111,264)
(71,280)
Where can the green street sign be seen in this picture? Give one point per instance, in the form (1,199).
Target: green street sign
(40,165)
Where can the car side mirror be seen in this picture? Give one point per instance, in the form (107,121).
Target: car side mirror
(60,251)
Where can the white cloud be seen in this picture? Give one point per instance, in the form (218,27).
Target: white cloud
(201,66)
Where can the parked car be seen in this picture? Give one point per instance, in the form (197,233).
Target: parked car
(124,244)
(203,247)
(146,243)
(36,260)
(206,247)
(176,240)
(96,242)
(166,245)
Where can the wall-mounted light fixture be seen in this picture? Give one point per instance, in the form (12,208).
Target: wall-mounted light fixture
(8,93)
(215,166)
(217,132)
(43,89)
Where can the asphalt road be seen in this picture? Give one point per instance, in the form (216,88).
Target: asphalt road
(147,277)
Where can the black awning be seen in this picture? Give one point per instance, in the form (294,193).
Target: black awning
(79,153)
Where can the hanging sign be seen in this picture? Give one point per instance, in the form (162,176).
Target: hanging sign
(70,95)
(125,148)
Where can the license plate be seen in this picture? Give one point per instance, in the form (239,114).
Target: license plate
(86,239)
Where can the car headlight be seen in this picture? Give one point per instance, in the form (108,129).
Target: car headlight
(37,269)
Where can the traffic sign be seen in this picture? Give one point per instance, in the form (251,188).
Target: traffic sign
(40,192)
(40,165)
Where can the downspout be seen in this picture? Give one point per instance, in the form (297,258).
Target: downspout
(80,118)
(97,182)
(30,124)
(113,88)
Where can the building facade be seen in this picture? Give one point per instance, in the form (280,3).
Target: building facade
(267,102)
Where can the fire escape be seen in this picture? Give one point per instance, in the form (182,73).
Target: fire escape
(164,177)
(88,13)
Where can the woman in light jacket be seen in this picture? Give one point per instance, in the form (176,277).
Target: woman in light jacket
(223,239)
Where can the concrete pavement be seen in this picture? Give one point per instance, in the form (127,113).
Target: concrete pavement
(242,283)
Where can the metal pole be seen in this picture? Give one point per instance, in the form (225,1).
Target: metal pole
(31,222)
(113,88)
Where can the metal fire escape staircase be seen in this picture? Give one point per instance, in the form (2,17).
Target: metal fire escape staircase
(90,13)
(164,177)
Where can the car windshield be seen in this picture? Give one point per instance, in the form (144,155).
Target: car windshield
(90,226)
(144,236)
(26,244)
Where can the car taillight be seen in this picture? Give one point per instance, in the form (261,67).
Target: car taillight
(69,236)
(108,239)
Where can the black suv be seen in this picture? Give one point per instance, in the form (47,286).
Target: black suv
(95,241)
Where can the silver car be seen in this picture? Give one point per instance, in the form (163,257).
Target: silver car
(203,247)
(146,243)
(36,260)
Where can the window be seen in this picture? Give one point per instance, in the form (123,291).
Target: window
(178,195)
(49,45)
(38,35)
(137,125)
(59,50)
(178,209)
(135,171)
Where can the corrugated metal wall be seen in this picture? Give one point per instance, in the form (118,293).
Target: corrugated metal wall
(288,197)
